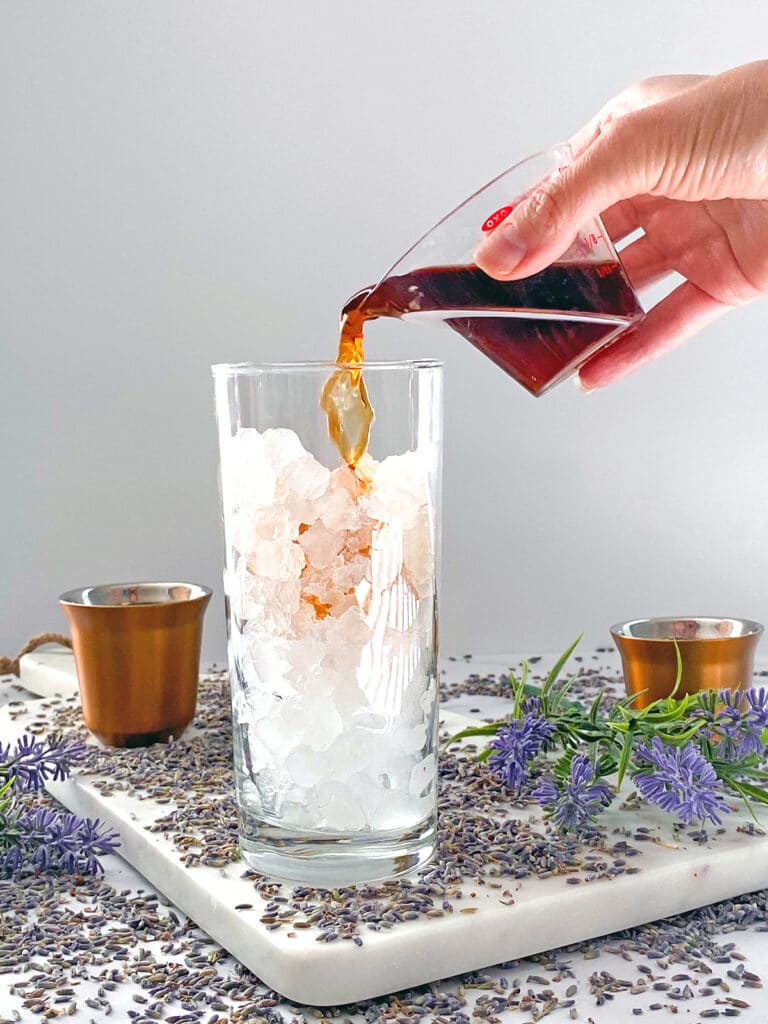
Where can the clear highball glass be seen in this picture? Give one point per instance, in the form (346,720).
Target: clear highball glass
(331,592)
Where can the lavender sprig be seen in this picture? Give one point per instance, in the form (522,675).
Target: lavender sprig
(580,798)
(40,837)
(680,780)
(32,763)
(685,753)
(735,722)
(516,745)
(53,840)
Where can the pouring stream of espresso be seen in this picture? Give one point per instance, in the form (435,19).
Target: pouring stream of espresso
(345,397)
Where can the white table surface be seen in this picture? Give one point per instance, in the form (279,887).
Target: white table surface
(752,943)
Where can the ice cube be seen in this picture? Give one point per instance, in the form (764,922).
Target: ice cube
(423,776)
(386,554)
(344,755)
(283,729)
(281,447)
(341,808)
(388,667)
(321,722)
(304,654)
(321,545)
(306,478)
(347,695)
(320,591)
(401,605)
(298,813)
(358,541)
(366,785)
(268,605)
(255,755)
(345,638)
(303,476)
(250,701)
(364,598)
(418,555)
(355,569)
(276,560)
(427,699)
(303,619)
(268,656)
(398,810)
(338,507)
(409,739)
(400,488)
(306,767)
(368,720)
(249,527)
(248,479)
(303,513)
(343,478)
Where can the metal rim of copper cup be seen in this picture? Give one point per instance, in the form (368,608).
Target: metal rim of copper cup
(659,628)
(137,653)
(716,653)
(118,595)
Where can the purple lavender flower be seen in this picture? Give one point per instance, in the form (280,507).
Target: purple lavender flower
(680,780)
(48,839)
(531,705)
(580,799)
(751,722)
(32,835)
(734,723)
(734,730)
(32,763)
(517,744)
(727,726)
(757,698)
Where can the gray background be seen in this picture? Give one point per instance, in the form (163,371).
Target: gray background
(184,183)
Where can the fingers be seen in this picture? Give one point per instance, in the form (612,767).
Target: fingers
(644,263)
(620,164)
(675,319)
(621,219)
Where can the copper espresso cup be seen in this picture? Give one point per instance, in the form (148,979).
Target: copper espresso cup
(137,652)
(716,654)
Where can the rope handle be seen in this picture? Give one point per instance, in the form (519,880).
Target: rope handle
(11,666)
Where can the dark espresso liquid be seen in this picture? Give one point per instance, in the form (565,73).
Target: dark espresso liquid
(539,330)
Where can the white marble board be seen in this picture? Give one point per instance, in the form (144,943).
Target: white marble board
(674,877)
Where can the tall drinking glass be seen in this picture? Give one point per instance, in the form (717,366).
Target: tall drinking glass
(331,588)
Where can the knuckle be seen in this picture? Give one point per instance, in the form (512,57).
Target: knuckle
(649,84)
(544,210)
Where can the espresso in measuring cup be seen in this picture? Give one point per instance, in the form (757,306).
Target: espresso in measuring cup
(539,330)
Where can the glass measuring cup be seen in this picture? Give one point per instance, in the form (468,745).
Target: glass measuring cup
(540,329)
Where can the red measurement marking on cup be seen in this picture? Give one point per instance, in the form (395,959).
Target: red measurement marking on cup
(496,218)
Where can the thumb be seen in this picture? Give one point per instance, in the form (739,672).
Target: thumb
(623,162)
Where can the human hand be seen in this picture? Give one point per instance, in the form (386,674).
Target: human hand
(685,158)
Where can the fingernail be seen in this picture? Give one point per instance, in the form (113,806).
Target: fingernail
(580,384)
(502,252)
